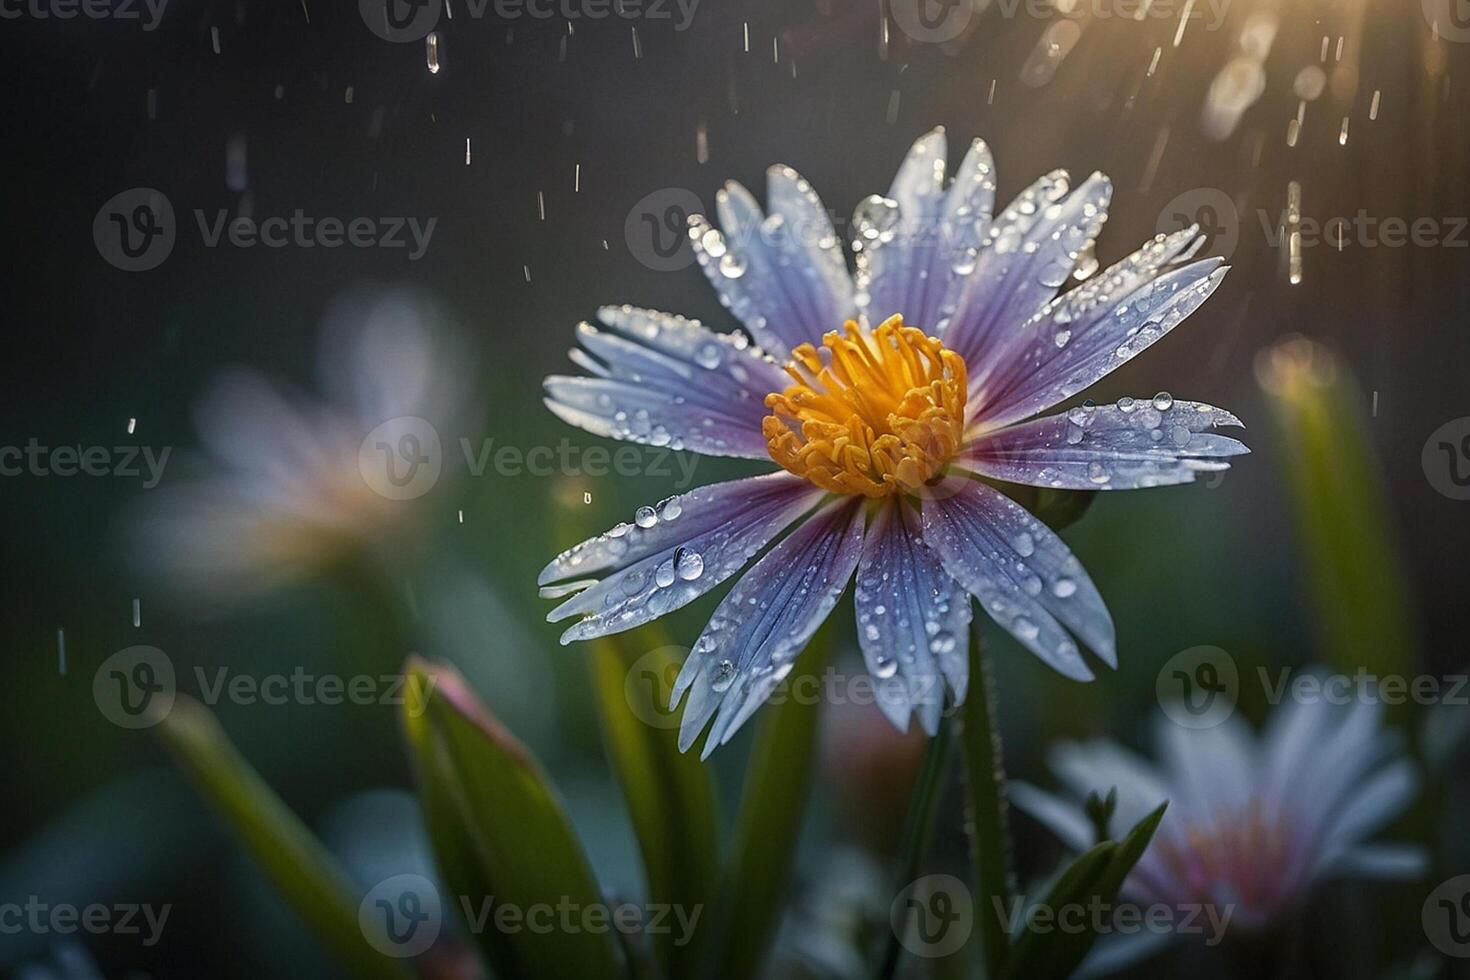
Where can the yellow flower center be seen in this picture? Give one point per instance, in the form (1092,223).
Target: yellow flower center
(872,413)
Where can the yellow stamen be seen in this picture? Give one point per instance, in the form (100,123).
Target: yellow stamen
(871,413)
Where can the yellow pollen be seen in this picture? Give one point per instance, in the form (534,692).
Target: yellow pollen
(871,413)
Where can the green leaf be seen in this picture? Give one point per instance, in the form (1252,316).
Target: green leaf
(772,803)
(669,794)
(1092,881)
(1348,545)
(500,834)
(305,875)
(985,797)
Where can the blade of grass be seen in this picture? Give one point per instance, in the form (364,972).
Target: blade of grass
(772,803)
(917,832)
(986,798)
(303,873)
(1341,513)
(669,794)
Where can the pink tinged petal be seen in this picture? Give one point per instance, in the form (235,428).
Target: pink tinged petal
(1024,575)
(786,289)
(755,634)
(1031,251)
(1092,330)
(1212,771)
(1112,447)
(672,553)
(666,381)
(913,621)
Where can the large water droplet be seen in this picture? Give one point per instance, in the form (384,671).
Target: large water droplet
(688,564)
(724,676)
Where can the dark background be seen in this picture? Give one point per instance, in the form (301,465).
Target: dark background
(89,346)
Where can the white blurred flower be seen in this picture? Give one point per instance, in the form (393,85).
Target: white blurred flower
(294,485)
(1253,824)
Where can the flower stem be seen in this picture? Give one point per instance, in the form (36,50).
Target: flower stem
(985,779)
(918,831)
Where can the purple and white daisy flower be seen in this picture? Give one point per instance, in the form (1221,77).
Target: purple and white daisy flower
(293,484)
(1253,823)
(883,429)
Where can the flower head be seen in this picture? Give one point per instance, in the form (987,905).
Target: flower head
(885,394)
(1253,823)
(294,484)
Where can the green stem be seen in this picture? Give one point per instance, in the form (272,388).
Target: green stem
(985,779)
(917,832)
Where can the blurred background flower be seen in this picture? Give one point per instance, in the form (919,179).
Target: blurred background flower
(1254,825)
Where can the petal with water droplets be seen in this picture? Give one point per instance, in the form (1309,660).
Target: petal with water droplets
(663,380)
(756,632)
(675,552)
(1030,252)
(786,288)
(1025,577)
(913,621)
(1088,332)
(1111,447)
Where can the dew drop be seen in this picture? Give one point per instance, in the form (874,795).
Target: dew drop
(688,564)
(724,676)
